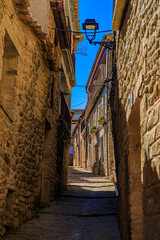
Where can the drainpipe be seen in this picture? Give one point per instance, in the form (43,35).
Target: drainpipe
(116,188)
(115,183)
(106,110)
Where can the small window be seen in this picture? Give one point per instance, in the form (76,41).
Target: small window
(51,94)
(102,150)
(8,79)
(56,38)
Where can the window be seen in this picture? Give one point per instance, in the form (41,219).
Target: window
(102,150)
(84,141)
(82,125)
(56,38)
(51,94)
(9,76)
(104,105)
(100,108)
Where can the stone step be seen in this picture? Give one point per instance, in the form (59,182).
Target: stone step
(86,177)
(91,184)
(78,181)
(86,194)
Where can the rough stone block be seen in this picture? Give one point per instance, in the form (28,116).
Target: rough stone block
(153,118)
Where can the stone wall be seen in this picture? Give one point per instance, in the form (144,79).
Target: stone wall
(137,120)
(77,149)
(83,148)
(100,152)
(28,126)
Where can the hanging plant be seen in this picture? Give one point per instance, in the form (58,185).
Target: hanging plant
(101,120)
(92,129)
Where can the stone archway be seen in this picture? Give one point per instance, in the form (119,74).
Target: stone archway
(134,173)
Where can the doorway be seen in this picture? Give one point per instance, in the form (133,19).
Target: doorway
(96,167)
(45,179)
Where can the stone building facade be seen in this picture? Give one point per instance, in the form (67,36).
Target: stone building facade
(100,151)
(136,117)
(36,70)
(92,135)
(74,121)
(79,140)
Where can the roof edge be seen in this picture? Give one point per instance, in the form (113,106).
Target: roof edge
(118,14)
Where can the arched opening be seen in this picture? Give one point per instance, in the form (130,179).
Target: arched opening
(134,173)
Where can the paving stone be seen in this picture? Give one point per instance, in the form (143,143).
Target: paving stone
(81,213)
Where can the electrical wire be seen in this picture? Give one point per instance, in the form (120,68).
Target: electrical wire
(79,104)
(64,30)
(80,86)
(83,86)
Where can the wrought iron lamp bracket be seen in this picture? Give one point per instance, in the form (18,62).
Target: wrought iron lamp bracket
(110,45)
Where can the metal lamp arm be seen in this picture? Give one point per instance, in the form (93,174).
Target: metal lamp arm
(110,45)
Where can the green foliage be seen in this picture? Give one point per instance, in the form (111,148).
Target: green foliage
(99,119)
(94,127)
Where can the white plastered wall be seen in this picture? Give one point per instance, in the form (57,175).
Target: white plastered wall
(39,10)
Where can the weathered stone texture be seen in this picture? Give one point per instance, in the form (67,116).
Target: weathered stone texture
(22,130)
(138,73)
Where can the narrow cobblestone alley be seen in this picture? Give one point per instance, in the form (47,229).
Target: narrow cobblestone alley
(86,211)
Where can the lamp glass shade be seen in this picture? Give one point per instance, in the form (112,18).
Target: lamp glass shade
(90,27)
(90,24)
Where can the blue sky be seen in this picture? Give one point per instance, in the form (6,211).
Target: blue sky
(101,11)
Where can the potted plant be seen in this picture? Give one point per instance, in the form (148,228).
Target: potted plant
(92,129)
(101,120)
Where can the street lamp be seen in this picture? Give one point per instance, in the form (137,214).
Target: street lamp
(91,26)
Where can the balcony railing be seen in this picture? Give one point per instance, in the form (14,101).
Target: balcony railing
(60,20)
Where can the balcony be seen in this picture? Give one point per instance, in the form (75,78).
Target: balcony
(60,20)
(118,13)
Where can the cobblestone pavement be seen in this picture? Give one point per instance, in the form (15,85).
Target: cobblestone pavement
(86,211)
